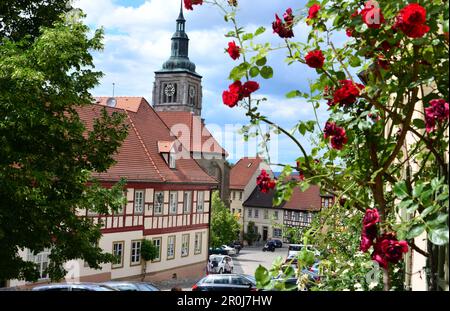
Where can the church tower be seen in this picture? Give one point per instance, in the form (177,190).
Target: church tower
(177,86)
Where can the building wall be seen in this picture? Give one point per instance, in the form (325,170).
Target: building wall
(129,226)
(266,218)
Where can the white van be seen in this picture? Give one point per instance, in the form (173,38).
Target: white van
(295,248)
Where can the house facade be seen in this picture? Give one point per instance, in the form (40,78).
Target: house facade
(242,183)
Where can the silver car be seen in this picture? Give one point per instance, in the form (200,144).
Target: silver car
(132,286)
(74,287)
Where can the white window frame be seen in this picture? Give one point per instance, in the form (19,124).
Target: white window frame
(158,246)
(185,245)
(158,207)
(256,213)
(276,231)
(139,201)
(42,260)
(275,215)
(200,201)
(173,202)
(171,247)
(172,160)
(116,253)
(135,252)
(266,214)
(198,243)
(187,202)
(249,213)
(240,195)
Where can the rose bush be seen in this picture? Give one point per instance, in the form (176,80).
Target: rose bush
(387,93)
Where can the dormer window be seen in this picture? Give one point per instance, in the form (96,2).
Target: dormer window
(172,160)
(168,152)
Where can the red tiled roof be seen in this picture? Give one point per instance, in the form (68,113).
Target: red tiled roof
(309,200)
(191,131)
(138,158)
(126,103)
(242,171)
(165,146)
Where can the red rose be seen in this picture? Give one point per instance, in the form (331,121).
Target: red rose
(411,21)
(378,257)
(371,218)
(313,11)
(350,32)
(348,93)
(438,111)
(383,62)
(372,15)
(284,29)
(233,50)
(339,139)
(365,244)
(249,87)
(230,98)
(315,59)
(189,3)
(264,182)
(329,130)
(393,250)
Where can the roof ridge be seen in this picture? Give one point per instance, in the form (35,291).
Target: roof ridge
(143,145)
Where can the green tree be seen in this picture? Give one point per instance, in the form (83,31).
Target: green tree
(20,18)
(224,225)
(251,235)
(149,252)
(47,154)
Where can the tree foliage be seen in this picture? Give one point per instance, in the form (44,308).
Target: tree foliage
(224,225)
(47,154)
(251,235)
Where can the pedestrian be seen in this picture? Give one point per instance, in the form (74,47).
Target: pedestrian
(227,266)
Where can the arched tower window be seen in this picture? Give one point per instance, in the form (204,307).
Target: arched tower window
(169,92)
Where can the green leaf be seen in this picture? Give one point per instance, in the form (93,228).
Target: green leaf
(262,276)
(261,61)
(266,72)
(400,190)
(247,36)
(293,94)
(441,218)
(259,31)
(254,71)
(415,231)
(354,61)
(439,236)
(419,123)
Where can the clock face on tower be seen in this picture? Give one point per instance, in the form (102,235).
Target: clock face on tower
(169,90)
(192,92)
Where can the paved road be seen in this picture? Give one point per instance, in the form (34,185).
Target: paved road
(251,257)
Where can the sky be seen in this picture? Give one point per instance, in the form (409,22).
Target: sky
(137,43)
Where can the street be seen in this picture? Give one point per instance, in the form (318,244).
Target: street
(251,257)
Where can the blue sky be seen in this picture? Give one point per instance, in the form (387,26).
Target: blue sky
(137,42)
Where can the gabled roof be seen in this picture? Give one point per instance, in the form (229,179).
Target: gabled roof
(138,158)
(309,200)
(191,131)
(242,171)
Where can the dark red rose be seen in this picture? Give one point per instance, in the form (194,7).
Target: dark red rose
(365,244)
(371,218)
(348,93)
(189,3)
(313,11)
(383,62)
(329,130)
(339,139)
(393,250)
(315,59)
(264,182)
(233,50)
(249,87)
(284,29)
(372,15)
(230,98)
(350,32)
(437,111)
(378,257)
(411,21)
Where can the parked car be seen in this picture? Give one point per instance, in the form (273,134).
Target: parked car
(132,286)
(313,272)
(74,287)
(221,264)
(295,248)
(230,250)
(217,251)
(226,282)
(278,243)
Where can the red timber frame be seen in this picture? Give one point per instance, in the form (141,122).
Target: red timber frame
(160,224)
